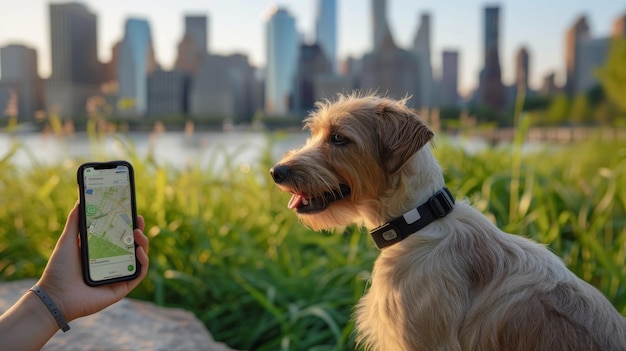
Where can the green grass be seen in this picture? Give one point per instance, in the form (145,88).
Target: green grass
(224,245)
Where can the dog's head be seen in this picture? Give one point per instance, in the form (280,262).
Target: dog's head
(358,148)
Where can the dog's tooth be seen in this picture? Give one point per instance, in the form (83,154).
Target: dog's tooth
(305,201)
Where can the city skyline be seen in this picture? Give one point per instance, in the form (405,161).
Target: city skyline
(237,27)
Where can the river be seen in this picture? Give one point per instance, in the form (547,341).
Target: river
(169,148)
(178,149)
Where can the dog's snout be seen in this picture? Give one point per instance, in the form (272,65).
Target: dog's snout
(279,173)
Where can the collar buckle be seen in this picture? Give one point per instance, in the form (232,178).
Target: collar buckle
(441,203)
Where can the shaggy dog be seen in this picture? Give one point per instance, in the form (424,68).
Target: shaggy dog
(446,277)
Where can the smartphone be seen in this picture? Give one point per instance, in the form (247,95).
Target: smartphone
(107,219)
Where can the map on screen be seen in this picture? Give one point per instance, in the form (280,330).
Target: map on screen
(109,222)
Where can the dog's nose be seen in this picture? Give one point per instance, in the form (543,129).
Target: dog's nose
(279,173)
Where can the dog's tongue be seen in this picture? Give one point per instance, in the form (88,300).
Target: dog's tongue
(295,201)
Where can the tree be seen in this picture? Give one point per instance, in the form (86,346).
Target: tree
(613,74)
(596,96)
(533,103)
(604,113)
(580,113)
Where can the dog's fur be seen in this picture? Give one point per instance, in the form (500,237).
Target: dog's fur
(458,284)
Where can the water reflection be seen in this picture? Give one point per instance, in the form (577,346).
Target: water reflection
(178,149)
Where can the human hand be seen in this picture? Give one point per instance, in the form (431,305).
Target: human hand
(62,278)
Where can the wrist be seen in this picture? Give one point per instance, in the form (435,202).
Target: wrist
(51,306)
(34,309)
(58,296)
(27,325)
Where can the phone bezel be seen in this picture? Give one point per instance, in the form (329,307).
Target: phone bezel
(82,220)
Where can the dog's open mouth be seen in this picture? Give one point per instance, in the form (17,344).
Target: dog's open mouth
(308,205)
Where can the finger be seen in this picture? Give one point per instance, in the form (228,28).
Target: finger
(122,288)
(71,227)
(144,261)
(141,223)
(141,239)
(142,256)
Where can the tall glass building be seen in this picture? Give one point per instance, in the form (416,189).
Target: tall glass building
(196,27)
(575,35)
(73,44)
(19,69)
(380,28)
(491,88)
(326,29)
(136,61)
(282,56)
(421,45)
(75,67)
(450,78)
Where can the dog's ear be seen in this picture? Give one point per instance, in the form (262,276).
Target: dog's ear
(401,133)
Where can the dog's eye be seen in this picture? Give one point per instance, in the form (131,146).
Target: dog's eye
(338,139)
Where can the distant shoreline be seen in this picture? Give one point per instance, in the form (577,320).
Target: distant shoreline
(493,135)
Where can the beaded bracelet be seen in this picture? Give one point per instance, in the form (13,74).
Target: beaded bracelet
(52,307)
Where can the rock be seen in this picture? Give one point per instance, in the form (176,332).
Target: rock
(127,325)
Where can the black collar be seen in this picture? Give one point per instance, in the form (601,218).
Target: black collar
(438,206)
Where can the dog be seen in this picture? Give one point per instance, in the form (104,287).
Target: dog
(446,277)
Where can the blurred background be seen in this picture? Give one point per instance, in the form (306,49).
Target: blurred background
(240,62)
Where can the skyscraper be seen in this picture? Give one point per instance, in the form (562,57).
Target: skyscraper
(74,44)
(491,89)
(192,50)
(136,61)
(19,71)
(224,87)
(312,64)
(389,69)
(522,63)
(619,26)
(450,78)
(381,31)
(282,55)
(196,27)
(326,30)
(167,93)
(548,85)
(188,57)
(591,55)
(109,69)
(578,32)
(75,66)
(421,45)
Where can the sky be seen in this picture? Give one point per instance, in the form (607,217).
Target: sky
(238,26)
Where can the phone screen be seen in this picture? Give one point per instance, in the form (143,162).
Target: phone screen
(108,212)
